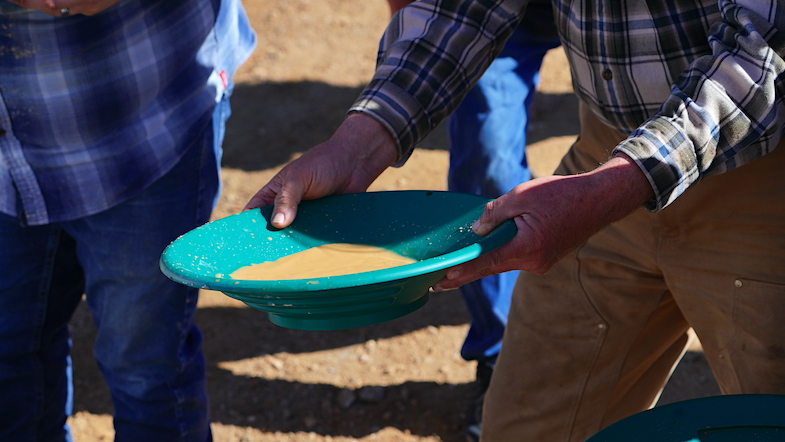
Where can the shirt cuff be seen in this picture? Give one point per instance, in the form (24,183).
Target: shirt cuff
(398,111)
(666,157)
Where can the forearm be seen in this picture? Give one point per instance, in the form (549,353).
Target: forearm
(618,188)
(554,215)
(370,142)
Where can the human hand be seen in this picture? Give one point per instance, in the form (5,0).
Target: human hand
(62,8)
(554,215)
(359,151)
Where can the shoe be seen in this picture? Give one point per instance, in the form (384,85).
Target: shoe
(474,416)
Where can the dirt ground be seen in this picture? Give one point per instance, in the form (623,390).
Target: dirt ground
(398,381)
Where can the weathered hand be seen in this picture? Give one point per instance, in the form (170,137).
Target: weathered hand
(73,7)
(359,151)
(553,215)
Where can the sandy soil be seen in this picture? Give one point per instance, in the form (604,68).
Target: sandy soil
(398,381)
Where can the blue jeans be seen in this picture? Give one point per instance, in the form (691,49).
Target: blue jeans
(147,347)
(487,157)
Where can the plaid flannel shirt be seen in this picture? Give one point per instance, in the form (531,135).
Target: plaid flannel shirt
(94,108)
(695,83)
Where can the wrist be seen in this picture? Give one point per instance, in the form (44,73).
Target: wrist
(623,186)
(368,139)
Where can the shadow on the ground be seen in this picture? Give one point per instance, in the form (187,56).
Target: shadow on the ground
(691,379)
(270,122)
(420,408)
(543,124)
(230,334)
(224,327)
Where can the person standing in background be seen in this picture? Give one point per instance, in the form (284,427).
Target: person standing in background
(487,134)
(111,123)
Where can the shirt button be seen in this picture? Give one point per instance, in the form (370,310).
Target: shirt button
(2,131)
(607,75)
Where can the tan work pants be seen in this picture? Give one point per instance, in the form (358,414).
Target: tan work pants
(595,339)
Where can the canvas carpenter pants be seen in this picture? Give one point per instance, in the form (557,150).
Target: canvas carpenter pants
(596,338)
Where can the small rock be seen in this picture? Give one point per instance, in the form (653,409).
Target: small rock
(276,363)
(372,394)
(346,398)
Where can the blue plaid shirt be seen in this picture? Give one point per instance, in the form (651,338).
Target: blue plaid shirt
(695,83)
(93,109)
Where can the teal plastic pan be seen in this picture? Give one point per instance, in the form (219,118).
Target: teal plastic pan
(731,418)
(431,227)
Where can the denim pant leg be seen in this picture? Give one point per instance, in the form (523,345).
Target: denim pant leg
(487,157)
(148,347)
(41,284)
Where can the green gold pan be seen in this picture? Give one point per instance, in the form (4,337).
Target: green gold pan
(432,227)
